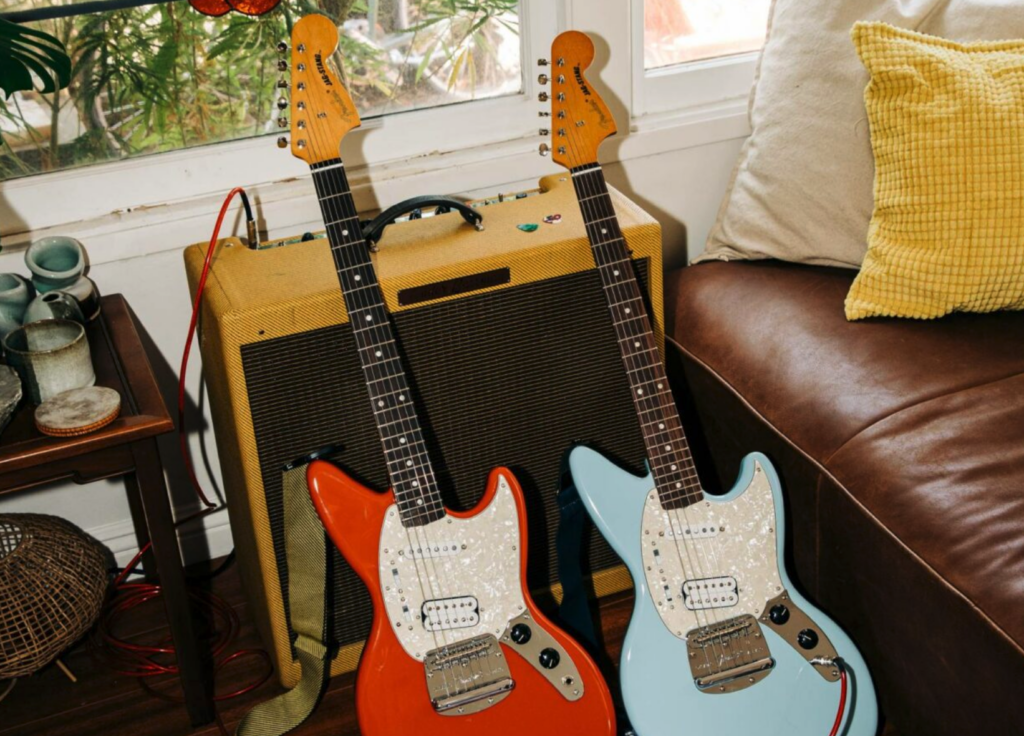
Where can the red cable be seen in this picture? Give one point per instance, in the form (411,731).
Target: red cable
(143,660)
(182,437)
(842,699)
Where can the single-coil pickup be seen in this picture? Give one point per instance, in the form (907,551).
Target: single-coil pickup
(445,614)
(700,595)
(432,551)
(676,528)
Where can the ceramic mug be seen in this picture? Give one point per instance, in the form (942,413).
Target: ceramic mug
(51,357)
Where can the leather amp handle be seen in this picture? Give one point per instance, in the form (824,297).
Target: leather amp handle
(373,230)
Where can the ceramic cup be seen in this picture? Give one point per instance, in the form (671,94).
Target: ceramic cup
(51,357)
(15,295)
(53,305)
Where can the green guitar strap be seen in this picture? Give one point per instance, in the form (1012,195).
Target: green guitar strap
(307,550)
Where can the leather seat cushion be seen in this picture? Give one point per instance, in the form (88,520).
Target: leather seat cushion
(922,423)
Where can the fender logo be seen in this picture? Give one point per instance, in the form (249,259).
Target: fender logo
(581,81)
(320,68)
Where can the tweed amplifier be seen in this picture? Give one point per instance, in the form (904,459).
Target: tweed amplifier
(507,337)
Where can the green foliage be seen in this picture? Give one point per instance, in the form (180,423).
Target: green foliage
(24,51)
(164,77)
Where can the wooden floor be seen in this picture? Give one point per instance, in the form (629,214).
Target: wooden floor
(104,704)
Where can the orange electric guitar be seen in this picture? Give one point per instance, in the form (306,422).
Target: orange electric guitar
(458,647)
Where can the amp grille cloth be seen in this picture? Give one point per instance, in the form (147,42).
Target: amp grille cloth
(513,377)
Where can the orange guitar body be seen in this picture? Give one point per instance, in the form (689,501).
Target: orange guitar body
(391,691)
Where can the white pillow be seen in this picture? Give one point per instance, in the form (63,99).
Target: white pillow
(802,188)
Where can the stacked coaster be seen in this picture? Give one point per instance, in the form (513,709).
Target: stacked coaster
(78,411)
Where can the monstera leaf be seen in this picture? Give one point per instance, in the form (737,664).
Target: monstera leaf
(24,51)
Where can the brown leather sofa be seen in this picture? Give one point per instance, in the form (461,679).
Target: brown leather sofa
(900,444)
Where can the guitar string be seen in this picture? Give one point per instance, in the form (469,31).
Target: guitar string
(593,191)
(340,183)
(424,476)
(695,565)
(586,210)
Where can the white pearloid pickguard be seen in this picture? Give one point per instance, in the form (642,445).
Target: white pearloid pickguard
(744,548)
(485,565)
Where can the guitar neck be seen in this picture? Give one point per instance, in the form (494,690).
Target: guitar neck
(409,468)
(668,451)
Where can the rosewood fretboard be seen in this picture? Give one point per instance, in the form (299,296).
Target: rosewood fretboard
(409,468)
(667,449)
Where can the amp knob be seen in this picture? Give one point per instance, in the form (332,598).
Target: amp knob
(779,614)
(808,638)
(521,633)
(549,658)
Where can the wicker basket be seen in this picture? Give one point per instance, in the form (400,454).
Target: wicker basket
(53,579)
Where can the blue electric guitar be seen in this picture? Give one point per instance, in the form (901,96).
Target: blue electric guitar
(720,641)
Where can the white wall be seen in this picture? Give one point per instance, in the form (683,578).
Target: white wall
(682,188)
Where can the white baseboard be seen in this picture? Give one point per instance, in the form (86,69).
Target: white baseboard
(198,542)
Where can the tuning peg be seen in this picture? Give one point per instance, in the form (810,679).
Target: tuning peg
(282,103)
(545,132)
(542,62)
(282,65)
(543,79)
(545,149)
(544,114)
(282,122)
(543,97)
(282,47)
(282,83)
(282,142)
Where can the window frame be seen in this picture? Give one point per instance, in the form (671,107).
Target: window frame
(485,144)
(716,82)
(174,176)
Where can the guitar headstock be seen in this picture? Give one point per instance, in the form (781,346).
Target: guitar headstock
(580,120)
(322,112)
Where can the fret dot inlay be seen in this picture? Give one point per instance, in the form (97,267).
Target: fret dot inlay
(418,497)
(671,463)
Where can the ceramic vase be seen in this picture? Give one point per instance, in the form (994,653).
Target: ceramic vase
(57,264)
(53,305)
(15,295)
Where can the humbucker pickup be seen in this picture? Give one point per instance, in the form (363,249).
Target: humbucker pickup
(445,614)
(700,595)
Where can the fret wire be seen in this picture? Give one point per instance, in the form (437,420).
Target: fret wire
(656,410)
(384,374)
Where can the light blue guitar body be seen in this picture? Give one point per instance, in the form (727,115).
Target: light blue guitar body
(660,694)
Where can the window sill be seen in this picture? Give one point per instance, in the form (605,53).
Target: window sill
(287,205)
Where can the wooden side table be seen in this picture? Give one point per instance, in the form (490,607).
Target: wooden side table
(125,448)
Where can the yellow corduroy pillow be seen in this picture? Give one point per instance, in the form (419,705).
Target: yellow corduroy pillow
(947,130)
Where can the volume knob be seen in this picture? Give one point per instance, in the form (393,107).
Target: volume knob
(521,633)
(779,614)
(549,658)
(807,639)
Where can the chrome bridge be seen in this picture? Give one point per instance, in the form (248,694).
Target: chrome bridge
(728,655)
(468,676)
